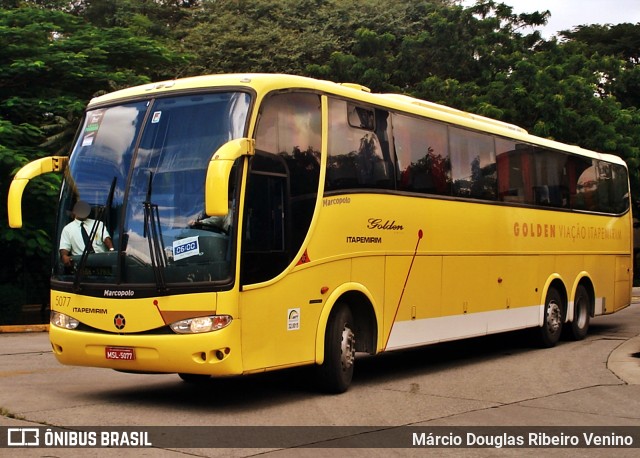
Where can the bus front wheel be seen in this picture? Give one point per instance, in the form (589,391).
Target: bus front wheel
(194,378)
(549,332)
(336,371)
(581,315)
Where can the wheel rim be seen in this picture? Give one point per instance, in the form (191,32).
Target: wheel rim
(347,347)
(554,320)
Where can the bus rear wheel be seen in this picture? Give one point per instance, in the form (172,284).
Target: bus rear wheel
(336,371)
(581,315)
(551,329)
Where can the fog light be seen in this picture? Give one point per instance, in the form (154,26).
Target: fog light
(201,324)
(63,321)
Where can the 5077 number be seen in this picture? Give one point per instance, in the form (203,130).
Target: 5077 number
(62,301)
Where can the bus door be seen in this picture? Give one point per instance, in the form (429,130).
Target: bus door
(278,321)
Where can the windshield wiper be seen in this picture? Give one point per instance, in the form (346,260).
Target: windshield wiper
(153,233)
(88,248)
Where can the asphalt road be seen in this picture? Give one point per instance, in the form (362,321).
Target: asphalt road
(499,381)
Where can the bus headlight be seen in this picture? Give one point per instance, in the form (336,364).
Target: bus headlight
(63,321)
(201,324)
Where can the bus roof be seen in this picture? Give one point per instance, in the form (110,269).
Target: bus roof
(262,83)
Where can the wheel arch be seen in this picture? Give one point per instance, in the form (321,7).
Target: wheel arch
(556,282)
(582,279)
(365,318)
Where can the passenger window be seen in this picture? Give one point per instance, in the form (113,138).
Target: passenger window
(473,164)
(359,150)
(601,187)
(549,190)
(361,117)
(422,155)
(619,189)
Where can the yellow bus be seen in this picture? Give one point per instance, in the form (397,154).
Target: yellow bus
(237,224)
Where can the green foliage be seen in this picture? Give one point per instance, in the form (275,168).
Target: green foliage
(157,18)
(51,64)
(621,41)
(26,253)
(285,36)
(584,89)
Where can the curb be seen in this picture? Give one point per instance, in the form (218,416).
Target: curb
(624,364)
(24,328)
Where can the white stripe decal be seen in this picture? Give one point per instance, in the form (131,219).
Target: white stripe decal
(599,306)
(413,333)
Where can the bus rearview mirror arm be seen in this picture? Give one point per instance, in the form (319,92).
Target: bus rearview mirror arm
(216,198)
(19,182)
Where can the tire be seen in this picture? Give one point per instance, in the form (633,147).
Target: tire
(581,315)
(336,371)
(194,378)
(551,329)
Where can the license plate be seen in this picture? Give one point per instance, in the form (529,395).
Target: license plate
(120,353)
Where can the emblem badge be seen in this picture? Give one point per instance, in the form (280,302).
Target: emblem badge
(119,322)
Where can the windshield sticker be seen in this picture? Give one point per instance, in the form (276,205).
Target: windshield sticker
(94,121)
(92,127)
(185,248)
(156,117)
(88,139)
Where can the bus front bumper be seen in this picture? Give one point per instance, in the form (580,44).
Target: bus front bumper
(214,353)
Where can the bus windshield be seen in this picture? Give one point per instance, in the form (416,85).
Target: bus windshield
(135,187)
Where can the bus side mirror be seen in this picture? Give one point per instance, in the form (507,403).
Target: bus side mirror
(216,194)
(19,182)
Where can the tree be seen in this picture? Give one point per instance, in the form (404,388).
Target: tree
(621,41)
(285,35)
(51,64)
(152,18)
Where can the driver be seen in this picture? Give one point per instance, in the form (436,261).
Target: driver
(75,235)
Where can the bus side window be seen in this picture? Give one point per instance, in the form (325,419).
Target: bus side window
(422,155)
(547,176)
(473,164)
(601,187)
(514,162)
(619,189)
(359,154)
(581,180)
